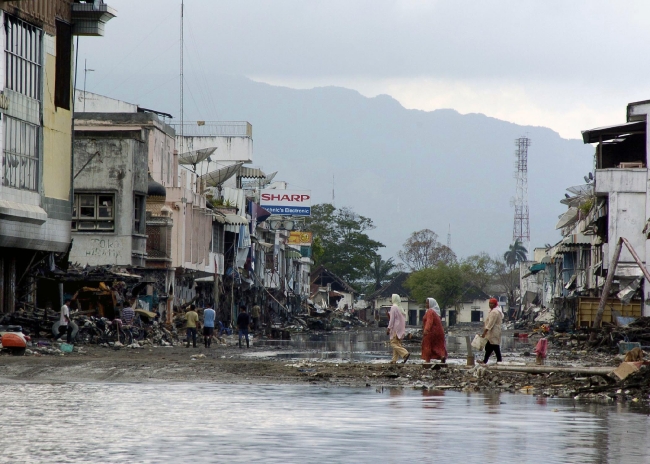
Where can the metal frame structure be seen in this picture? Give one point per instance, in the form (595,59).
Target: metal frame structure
(521,227)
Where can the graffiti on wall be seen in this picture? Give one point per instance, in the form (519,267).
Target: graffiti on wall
(105,248)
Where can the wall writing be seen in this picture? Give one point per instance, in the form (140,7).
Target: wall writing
(105,248)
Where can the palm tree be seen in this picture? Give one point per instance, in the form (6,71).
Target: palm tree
(516,253)
(380,270)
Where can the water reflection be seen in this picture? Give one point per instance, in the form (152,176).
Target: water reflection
(243,423)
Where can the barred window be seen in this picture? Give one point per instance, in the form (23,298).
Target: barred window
(23,57)
(20,160)
(93,212)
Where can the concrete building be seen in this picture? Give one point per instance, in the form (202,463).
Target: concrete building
(473,307)
(36,137)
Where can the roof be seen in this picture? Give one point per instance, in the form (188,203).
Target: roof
(473,293)
(250,173)
(321,276)
(394,286)
(610,132)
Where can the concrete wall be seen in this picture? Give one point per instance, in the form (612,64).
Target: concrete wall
(231,148)
(120,169)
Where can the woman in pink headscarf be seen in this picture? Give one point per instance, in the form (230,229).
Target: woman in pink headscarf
(433,340)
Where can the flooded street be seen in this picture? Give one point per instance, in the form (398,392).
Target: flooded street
(201,422)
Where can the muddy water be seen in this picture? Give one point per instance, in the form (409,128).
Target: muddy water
(95,422)
(363,346)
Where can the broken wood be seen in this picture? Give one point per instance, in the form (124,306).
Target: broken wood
(551,369)
(606,287)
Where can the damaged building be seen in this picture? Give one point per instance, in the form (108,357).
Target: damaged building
(36,136)
(614,203)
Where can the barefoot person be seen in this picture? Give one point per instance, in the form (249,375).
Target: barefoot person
(433,340)
(492,331)
(396,329)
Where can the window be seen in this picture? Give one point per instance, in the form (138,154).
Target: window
(23,57)
(138,210)
(63,75)
(93,212)
(20,161)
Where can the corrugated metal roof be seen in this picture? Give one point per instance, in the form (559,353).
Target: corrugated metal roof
(251,173)
(610,132)
(236,219)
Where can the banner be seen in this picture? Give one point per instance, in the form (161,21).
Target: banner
(299,238)
(286,202)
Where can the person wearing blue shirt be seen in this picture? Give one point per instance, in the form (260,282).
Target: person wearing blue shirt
(208,326)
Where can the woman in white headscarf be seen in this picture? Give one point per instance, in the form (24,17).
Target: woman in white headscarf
(396,330)
(433,334)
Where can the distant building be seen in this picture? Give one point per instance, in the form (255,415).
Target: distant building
(382,298)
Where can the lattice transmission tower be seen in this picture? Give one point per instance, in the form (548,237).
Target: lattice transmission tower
(521,228)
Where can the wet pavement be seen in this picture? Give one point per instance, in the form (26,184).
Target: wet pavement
(207,422)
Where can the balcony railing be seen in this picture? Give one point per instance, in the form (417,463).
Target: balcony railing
(214,129)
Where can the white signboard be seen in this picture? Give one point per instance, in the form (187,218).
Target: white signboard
(286,202)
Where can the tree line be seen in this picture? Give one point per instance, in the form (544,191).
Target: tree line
(342,245)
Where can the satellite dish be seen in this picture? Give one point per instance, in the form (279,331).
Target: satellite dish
(194,157)
(218,177)
(275,224)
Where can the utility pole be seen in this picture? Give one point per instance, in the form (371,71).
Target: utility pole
(521,227)
(181,77)
(86,71)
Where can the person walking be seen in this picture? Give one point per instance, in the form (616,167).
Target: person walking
(65,324)
(191,322)
(492,331)
(243,323)
(433,339)
(396,330)
(209,316)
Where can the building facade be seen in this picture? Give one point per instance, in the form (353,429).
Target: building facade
(36,135)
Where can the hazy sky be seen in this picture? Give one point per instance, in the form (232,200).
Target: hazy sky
(565,65)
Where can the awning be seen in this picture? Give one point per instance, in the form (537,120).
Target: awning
(235,219)
(537,267)
(293,254)
(251,173)
(220,218)
(611,132)
(218,177)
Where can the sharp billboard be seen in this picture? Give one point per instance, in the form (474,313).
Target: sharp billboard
(286,202)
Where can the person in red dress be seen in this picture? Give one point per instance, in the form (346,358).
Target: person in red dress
(433,339)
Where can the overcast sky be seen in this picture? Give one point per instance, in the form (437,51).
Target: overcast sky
(565,65)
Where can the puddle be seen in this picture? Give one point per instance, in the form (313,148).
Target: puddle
(203,422)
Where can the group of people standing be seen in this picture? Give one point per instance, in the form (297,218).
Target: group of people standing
(433,332)
(245,322)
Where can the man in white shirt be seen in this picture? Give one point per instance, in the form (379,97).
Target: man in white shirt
(66,325)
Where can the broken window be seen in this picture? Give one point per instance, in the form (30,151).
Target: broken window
(20,161)
(92,212)
(626,151)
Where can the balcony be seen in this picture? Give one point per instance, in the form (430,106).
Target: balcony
(90,17)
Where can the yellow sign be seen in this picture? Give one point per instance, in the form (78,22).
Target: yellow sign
(300,238)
